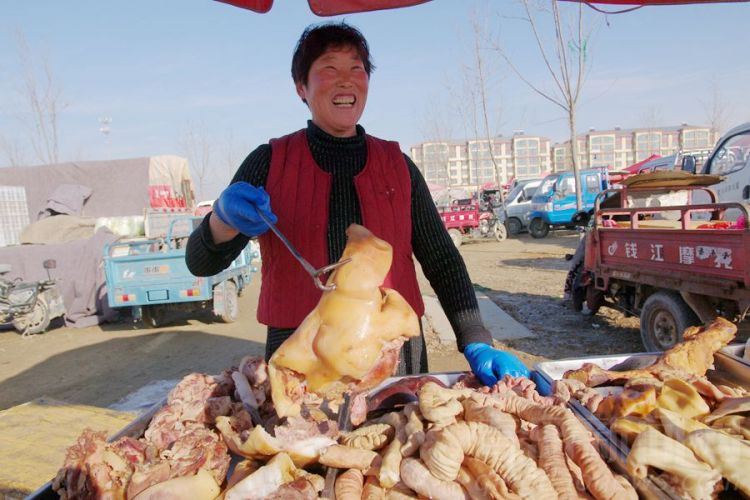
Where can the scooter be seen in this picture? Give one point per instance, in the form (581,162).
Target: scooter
(30,305)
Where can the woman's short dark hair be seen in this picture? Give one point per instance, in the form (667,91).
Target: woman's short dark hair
(318,38)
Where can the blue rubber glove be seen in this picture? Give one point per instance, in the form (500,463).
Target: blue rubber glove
(490,364)
(238,207)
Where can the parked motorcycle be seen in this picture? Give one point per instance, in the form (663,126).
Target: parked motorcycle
(30,305)
(491,227)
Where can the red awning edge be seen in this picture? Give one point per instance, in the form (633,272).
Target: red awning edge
(326,8)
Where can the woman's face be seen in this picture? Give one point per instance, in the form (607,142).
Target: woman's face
(336,91)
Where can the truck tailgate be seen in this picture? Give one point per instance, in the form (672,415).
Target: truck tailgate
(157,277)
(719,254)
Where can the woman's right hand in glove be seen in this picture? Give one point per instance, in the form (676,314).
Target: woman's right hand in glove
(238,207)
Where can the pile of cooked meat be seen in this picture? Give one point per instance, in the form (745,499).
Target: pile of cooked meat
(270,431)
(680,425)
(463,441)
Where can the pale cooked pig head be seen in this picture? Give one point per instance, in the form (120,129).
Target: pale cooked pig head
(351,339)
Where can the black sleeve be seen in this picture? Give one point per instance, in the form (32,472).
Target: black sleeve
(204,257)
(443,265)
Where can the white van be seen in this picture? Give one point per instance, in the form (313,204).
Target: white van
(730,159)
(518,205)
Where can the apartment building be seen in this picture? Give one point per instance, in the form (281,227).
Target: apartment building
(619,148)
(480,161)
(470,164)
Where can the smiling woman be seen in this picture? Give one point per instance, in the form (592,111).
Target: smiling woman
(316,183)
(333,79)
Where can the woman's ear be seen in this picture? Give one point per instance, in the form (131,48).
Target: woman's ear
(301,91)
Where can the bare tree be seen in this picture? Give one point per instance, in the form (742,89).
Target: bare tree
(196,147)
(13,151)
(476,100)
(482,78)
(436,128)
(566,66)
(651,120)
(716,110)
(43,95)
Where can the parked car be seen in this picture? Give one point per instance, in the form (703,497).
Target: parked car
(554,203)
(517,206)
(730,159)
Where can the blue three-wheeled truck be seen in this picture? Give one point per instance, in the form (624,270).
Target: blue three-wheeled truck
(151,277)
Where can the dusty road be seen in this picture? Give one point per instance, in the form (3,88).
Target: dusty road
(100,365)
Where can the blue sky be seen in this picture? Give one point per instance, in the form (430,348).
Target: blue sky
(162,68)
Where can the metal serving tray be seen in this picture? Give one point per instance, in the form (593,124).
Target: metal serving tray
(612,454)
(727,370)
(735,352)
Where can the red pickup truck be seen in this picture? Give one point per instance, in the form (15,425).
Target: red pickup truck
(650,251)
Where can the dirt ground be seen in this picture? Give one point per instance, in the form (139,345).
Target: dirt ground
(101,365)
(525,277)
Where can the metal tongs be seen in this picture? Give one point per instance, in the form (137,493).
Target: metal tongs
(314,273)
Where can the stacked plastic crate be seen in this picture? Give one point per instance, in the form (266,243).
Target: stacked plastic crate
(14,214)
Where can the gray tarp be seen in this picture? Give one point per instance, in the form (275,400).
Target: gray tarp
(118,187)
(112,188)
(79,269)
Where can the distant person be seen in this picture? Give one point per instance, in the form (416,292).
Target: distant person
(315,182)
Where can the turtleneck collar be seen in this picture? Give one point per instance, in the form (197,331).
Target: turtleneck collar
(317,135)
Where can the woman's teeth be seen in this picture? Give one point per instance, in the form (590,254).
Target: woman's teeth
(344,101)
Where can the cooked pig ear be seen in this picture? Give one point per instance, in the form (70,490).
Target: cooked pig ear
(259,443)
(681,397)
(200,486)
(241,471)
(729,406)
(653,449)
(733,424)
(676,425)
(264,481)
(726,454)
(630,427)
(635,403)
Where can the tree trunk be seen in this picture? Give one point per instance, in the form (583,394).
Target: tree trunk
(574,153)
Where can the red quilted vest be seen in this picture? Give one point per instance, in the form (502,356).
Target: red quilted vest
(299,191)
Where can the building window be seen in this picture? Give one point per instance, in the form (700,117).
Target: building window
(695,139)
(526,156)
(602,150)
(646,144)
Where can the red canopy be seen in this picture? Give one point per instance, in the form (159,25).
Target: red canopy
(633,169)
(329,7)
(338,7)
(655,2)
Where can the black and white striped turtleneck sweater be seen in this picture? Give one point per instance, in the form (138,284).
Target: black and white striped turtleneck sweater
(344,158)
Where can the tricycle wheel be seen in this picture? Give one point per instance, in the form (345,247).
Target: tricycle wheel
(594,299)
(538,228)
(36,321)
(664,318)
(501,233)
(231,304)
(456,237)
(152,316)
(514,226)
(577,288)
